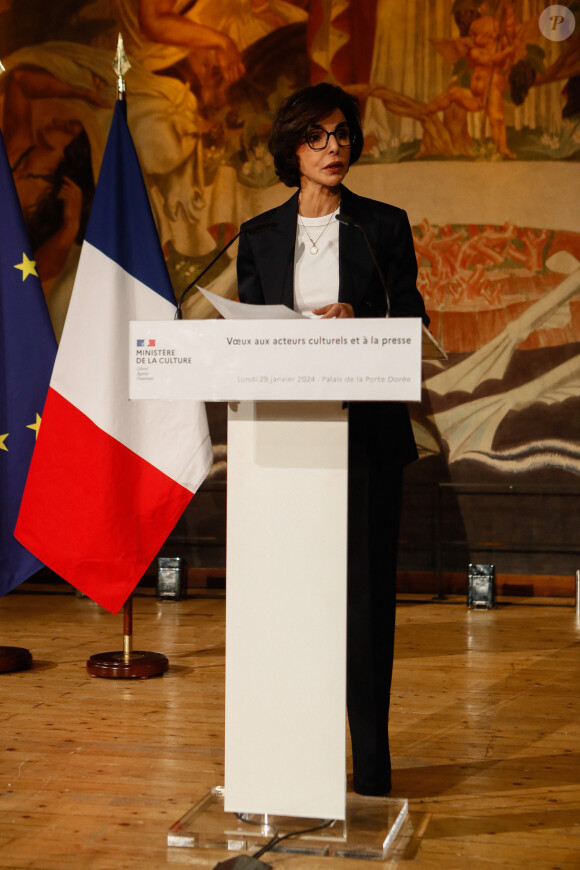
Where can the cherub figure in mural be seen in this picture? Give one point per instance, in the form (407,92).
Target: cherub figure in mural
(489,50)
(496,52)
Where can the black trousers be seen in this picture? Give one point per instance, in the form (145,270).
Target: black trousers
(374,506)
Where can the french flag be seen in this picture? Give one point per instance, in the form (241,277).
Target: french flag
(109,478)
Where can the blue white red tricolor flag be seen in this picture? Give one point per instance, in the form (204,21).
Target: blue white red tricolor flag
(27,351)
(109,477)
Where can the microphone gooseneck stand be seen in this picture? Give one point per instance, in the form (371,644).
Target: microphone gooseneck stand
(243,231)
(351,222)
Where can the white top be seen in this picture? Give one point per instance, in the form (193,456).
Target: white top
(316,275)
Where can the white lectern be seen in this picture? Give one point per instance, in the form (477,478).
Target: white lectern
(286,561)
(286,608)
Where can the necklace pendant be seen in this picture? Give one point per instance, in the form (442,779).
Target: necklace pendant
(313,249)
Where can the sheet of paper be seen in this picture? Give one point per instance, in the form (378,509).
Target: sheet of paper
(231,310)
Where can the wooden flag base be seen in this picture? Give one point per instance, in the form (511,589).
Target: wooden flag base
(14,658)
(137,664)
(127,663)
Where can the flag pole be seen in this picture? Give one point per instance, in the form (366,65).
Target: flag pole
(126,663)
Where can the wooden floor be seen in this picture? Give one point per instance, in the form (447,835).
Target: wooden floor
(485,730)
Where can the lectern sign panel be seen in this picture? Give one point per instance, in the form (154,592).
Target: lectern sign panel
(225,360)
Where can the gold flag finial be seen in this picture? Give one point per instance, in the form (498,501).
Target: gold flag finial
(121,65)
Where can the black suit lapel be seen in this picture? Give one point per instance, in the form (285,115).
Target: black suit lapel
(281,243)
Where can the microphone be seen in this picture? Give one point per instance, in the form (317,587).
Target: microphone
(250,230)
(351,222)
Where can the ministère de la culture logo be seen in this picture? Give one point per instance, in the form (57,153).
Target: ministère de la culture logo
(148,354)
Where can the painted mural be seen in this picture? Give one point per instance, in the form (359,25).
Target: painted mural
(472,124)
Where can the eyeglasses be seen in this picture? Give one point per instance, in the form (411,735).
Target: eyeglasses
(316,140)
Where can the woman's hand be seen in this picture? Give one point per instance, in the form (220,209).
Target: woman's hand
(336,309)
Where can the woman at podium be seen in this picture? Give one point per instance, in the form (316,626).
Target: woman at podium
(330,253)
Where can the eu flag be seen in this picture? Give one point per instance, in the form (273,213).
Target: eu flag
(27,352)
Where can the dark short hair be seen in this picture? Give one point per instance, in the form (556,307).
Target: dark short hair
(298,113)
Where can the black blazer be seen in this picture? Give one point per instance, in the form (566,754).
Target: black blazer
(266,277)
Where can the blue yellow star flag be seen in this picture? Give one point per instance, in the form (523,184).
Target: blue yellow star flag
(27,352)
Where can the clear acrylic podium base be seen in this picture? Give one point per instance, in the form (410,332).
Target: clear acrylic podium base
(369,830)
